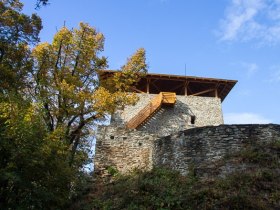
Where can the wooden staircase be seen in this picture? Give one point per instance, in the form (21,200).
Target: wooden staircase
(163,98)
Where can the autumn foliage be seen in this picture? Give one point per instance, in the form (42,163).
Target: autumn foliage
(50,102)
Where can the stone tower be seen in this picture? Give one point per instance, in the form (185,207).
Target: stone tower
(167,104)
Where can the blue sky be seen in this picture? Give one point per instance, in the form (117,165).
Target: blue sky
(228,39)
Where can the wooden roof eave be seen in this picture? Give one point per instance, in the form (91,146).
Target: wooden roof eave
(228,84)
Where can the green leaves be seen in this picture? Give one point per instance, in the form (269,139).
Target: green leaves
(17,27)
(50,99)
(34,166)
(17,31)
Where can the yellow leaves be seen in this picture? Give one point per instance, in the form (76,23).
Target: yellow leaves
(10,111)
(105,102)
(136,63)
(67,75)
(124,98)
(5,110)
(29,114)
(63,35)
(41,51)
(66,88)
(19,118)
(132,71)
(56,135)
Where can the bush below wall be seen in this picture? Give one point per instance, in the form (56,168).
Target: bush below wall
(256,187)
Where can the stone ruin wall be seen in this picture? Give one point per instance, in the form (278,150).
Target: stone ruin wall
(202,147)
(207,111)
(197,147)
(122,149)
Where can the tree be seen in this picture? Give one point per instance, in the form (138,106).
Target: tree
(17,32)
(66,82)
(50,97)
(34,172)
(40,3)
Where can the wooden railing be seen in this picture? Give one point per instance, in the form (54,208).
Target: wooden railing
(151,108)
(168,98)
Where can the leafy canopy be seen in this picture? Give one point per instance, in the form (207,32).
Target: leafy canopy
(65,82)
(17,32)
(50,100)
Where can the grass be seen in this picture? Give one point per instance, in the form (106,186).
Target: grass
(257,188)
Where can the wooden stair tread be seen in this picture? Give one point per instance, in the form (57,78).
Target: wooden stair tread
(166,98)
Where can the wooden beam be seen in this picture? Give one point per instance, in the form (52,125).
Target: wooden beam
(189,90)
(137,90)
(221,93)
(202,92)
(176,87)
(152,83)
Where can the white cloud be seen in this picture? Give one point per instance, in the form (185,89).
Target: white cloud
(274,75)
(251,68)
(252,19)
(244,92)
(245,118)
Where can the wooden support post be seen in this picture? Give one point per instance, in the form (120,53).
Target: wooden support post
(216,90)
(216,93)
(186,87)
(148,85)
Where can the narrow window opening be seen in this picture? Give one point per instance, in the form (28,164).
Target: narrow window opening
(192,120)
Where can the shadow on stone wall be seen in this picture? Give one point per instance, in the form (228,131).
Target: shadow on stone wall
(170,120)
(198,148)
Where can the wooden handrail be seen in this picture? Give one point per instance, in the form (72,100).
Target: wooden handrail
(151,108)
(148,110)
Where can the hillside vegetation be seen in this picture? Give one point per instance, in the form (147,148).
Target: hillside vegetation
(257,186)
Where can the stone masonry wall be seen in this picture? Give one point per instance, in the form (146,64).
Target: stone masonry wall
(122,149)
(207,111)
(201,147)
(198,147)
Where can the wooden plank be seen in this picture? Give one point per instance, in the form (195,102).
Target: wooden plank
(168,98)
(137,90)
(221,93)
(176,87)
(154,105)
(155,86)
(189,90)
(147,111)
(202,92)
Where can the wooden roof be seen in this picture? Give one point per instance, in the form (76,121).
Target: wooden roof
(181,85)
